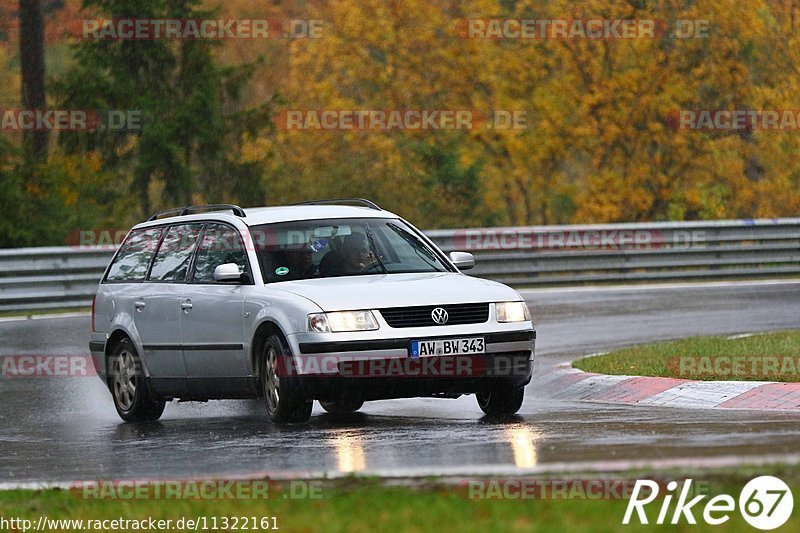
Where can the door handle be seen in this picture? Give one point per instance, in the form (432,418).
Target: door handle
(139,304)
(186,305)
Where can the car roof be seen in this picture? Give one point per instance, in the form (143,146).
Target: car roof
(255,216)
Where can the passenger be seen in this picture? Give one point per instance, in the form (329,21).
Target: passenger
(300,263)
(351,259)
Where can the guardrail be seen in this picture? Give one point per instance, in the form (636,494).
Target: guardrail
(621,253)
(36,279)
(62,277)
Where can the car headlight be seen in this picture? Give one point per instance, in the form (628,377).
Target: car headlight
(342,321)
(512,312)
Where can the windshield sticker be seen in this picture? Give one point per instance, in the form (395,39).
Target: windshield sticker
(319,245)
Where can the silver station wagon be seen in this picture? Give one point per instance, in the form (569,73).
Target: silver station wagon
(336,300)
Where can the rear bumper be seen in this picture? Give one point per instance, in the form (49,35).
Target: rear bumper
(97,347)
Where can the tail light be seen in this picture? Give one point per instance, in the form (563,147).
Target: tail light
(94,299)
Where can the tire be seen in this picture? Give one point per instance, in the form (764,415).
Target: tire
(128,385)
(342,406)
(283,397)
(501,401)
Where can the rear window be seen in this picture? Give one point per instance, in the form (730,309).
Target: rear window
(133,258)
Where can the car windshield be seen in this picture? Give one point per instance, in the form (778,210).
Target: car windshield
(341,247)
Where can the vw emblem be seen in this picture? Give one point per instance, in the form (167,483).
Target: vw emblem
(439,316)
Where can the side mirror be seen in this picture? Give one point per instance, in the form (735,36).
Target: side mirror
(227,272)
(462,260)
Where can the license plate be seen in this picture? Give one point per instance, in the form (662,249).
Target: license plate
(437,347)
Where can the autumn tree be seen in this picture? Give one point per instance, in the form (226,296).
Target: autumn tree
(193,123)
(599,145)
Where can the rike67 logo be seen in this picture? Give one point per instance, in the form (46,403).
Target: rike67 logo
(765,502)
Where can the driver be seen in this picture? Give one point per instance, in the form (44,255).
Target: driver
(351,259)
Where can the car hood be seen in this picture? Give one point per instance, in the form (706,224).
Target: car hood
(397,290)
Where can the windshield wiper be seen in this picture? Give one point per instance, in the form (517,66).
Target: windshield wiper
(416,244)
(374,249)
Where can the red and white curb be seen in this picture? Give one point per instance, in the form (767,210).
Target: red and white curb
(568,383)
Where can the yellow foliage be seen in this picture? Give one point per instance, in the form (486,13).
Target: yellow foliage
(599,146)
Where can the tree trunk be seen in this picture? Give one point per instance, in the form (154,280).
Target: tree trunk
(31,52)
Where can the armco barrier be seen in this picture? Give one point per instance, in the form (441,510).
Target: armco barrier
(620,253)
(34,279)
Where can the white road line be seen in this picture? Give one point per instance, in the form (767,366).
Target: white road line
(43,317)
(745,335)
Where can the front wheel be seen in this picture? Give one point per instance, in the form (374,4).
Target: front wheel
(285,401)
(129,389)
(501,401)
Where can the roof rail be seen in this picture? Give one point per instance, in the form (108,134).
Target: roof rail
(191,209)
(336,201)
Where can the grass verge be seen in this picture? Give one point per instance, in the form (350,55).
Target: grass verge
(359,504)
(760,357)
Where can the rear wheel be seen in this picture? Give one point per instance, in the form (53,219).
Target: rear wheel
(285,401)
(129,388)
(501,401)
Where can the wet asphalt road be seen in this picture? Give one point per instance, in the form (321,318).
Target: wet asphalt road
(66,429)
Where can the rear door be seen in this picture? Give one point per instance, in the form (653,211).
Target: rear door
(127,290)
(158,308)
(212,320)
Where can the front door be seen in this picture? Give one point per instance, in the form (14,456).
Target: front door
(212,320)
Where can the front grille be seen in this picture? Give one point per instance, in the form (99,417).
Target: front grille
(413,317)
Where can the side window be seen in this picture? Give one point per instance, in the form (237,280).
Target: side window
(134,255)
(220,244)
(175,253)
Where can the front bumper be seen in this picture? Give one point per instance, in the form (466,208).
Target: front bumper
(374,369)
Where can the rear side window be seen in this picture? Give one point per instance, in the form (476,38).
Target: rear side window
(134,255)
(175,253)
(220,244)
